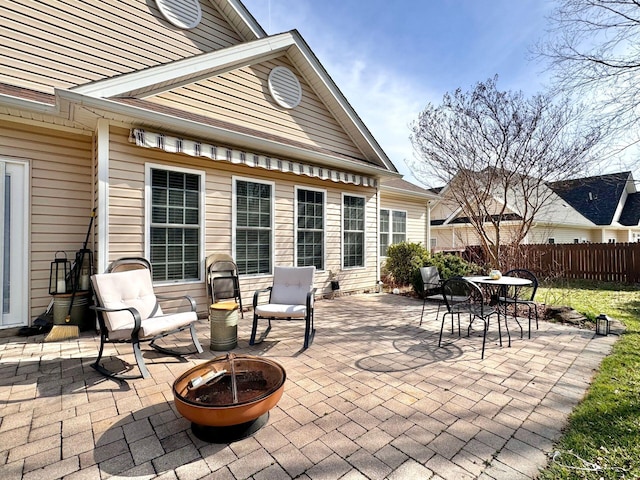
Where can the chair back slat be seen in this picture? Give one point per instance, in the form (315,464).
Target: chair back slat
(524,292)
(430,277)
(291,285)
(128,263)
(457,291)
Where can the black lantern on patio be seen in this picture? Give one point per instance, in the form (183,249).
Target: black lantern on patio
(59,274)
(84,268)
(602,324)
(335,283)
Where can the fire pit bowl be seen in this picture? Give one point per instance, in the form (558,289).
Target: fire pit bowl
(229,397)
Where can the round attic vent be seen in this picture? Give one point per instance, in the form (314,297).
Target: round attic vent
(285,87)
(184,14)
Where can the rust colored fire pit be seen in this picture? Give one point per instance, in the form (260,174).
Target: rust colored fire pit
(229,397)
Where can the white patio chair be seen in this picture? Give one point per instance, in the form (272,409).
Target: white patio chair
(129,312)
(291,297)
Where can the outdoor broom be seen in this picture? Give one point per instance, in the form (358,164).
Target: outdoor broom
(67,330)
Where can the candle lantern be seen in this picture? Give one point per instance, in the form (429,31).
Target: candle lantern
(59,274)
(84,260)
(602,324)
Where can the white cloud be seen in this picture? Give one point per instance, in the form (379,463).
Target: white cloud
(386,101)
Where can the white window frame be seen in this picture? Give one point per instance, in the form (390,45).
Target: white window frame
(201,220)
(324,224)
(234,223)
(391,232)
(364,232)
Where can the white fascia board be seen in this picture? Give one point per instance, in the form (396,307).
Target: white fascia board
(332,88)
(140,117)
(28,105)
(453,216)
(243,14)
(180,70)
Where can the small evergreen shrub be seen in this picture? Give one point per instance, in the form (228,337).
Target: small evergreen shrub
(404,259)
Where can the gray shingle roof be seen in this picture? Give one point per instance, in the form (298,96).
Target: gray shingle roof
(630,215)
(594,197)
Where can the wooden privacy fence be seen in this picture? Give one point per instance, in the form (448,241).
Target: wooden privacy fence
(607,262)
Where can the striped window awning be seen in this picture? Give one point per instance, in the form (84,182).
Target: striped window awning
(143,138)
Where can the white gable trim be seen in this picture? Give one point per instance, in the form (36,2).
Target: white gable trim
(238,16)
(189,70)
(143,138)
(165,77)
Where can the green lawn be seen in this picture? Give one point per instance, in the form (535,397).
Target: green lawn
(603,436)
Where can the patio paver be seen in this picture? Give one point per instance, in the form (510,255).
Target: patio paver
(373,397)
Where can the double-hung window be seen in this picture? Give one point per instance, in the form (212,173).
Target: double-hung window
(393,229)
(253,214)
(385,228)
(352,231)
(174,219)
(310,228)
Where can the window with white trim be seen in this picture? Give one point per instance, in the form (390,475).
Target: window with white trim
(310,228)
(174,221)
(393,228)
(352,231)
(253,215)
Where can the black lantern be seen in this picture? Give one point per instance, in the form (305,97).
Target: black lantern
(84,268)
(333,279)
(59,274)
(602,324)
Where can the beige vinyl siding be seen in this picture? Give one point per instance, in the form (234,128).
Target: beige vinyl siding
(541,234)
(126,218)
(60,167)
(454,237)
(416,216)
(58,44)
(242,97)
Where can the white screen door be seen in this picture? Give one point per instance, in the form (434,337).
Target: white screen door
(13,244)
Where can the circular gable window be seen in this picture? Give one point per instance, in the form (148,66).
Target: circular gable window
(285,87)
(184,14)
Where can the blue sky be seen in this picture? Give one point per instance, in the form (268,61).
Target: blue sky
(391,58)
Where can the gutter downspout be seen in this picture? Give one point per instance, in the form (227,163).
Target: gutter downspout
(378,271)
(428,227)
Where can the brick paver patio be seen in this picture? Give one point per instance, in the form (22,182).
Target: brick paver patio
(373,397)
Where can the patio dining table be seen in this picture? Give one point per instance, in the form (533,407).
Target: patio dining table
(494,286)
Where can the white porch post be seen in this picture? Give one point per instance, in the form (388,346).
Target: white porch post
(102,155)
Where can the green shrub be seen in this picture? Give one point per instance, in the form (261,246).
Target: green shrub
(448,264)
(403,259)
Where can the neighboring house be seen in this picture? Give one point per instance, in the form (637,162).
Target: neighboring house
(191,132)
(404,214)
(600,209)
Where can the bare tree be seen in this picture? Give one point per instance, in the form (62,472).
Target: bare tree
(496,151)
(593,50)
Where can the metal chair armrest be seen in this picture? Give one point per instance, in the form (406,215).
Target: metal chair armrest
(257,293)
(188,298)
(311,297)
(137,320)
